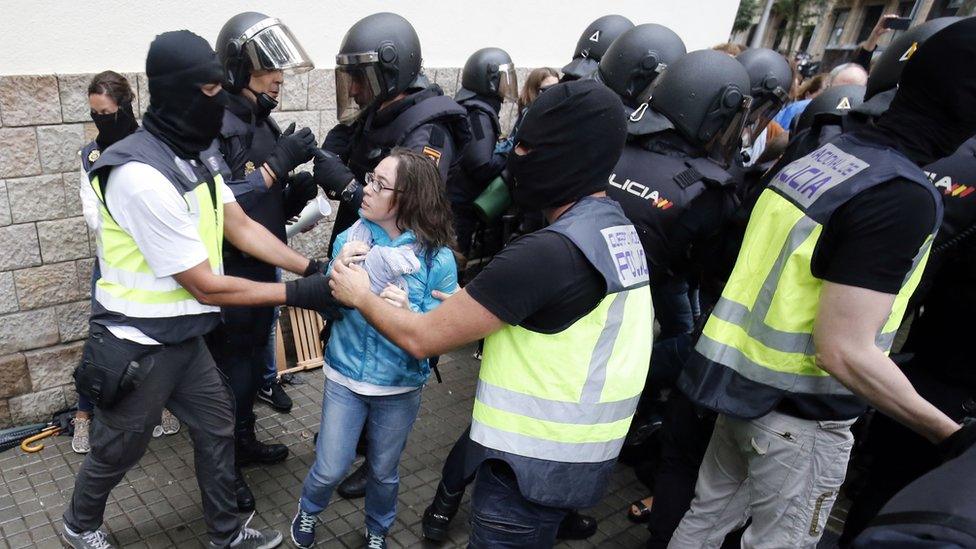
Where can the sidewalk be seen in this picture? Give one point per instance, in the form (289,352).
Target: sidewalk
(158,504)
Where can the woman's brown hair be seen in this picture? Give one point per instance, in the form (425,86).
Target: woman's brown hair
(112,84)
(530,90)
(421,202)
(812,86)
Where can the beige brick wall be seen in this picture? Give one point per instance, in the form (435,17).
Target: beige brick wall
(46,251)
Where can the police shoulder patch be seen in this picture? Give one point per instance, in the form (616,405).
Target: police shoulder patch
(432,154)
(93,155)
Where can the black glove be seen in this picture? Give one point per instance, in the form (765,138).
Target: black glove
(291,150)
(315,266)
(301,188)
(960,441)
(313,292)
(334,177)
(338,140)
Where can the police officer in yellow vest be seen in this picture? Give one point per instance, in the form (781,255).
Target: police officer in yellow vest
(159,286)
(799,339)
(566,313)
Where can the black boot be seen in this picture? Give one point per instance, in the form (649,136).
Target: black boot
(250,451)
(576,526)
(245,499)
(355,484)
(438,515)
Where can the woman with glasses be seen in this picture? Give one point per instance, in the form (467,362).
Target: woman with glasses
(405,241)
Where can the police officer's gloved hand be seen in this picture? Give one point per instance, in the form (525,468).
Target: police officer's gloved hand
(315,266)
(292,150)
(960,441)
(313,292)
(338,140)
(302,188)
(333,176)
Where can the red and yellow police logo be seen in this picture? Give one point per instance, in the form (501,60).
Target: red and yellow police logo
(950,188)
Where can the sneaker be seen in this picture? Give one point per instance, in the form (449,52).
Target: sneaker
(303,528)
(276,397)
(80,442)
(249,538)
(169,423)
(375,541)
(95,539)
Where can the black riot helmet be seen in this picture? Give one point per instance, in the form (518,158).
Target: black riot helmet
(378,59)
(835,100)
(887,69)
(770,78)
(593,43)
(253,41)
(490,72)
(636,58)
(704,96)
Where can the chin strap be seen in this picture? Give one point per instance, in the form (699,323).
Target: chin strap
(265,102)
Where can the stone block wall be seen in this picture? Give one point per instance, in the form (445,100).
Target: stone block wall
(46,251)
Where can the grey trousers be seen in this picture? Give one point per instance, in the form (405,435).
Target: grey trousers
(186,381)
(782,471)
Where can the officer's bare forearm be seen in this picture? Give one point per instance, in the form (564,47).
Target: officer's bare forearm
(870,374)
(218,290)
(253,239)
(456,322)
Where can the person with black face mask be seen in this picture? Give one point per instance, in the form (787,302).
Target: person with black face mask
(797,344)
(260,157)
(164,213)
(110,97)
(566,316)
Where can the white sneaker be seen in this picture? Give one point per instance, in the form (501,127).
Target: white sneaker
(169,423)
(96,539)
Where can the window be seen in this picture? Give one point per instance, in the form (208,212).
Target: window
(905,8)
(871,16)
(807,36)
(840,19)
(945,8)
(780,31)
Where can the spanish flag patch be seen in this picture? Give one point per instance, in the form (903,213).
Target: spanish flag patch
(433,154)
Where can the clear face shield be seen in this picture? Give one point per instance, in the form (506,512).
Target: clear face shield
(271,46)
(762,113)
(507,82)
(728,141)
(359,82)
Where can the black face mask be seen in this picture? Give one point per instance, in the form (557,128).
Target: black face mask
(932,112)
(116,126)
(264,103)
(575,133)
(179,113)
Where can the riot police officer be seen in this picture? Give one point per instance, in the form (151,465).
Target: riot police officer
(383,101)
(488,79)
(259,157)
(592,44)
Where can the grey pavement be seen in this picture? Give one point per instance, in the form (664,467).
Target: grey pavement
(158,503)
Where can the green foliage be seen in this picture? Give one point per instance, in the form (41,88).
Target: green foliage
(748,9)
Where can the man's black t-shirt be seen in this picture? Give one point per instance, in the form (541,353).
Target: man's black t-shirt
(541,282)
(871,241)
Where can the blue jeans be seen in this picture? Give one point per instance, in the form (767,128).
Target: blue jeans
(343,415)
(271,353)
(673,309)
(502,517)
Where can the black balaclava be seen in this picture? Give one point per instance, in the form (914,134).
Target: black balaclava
(575,133)
(934,109)
(179,113)
(114,127)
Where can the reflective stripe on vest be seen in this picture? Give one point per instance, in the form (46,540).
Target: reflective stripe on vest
(127,284)
(570,396)
(762,327)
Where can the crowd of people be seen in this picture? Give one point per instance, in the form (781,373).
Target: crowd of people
(748,271)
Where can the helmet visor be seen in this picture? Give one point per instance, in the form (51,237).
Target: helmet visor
(727,143)
(358,84)
(507,82)
(763,111)
(271,46)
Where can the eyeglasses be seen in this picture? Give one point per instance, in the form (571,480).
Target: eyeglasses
(375,184)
